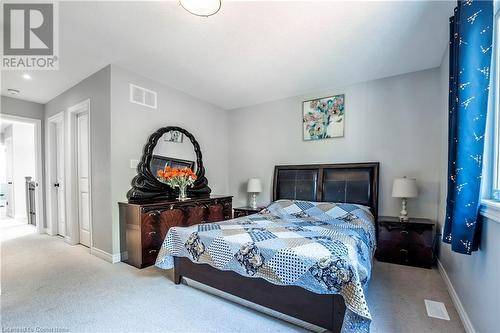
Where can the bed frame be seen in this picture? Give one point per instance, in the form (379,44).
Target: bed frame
(354,183)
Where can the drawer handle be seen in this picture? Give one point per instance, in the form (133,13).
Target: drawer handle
(152,251)
(154,213)
(403,251)
(404,232)
(151,233)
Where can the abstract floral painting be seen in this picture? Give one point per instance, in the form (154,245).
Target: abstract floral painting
(323,118)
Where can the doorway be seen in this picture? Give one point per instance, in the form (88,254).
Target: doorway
(79,174)
(83,171)
(21,171)
(56,197)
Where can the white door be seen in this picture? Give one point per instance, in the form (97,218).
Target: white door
(10,179)
(59,178)
(82,135)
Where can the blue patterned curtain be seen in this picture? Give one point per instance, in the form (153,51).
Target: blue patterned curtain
(471,30)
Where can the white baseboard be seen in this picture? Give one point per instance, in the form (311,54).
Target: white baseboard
(456,300)
(112,258)
(101,254)
(69,240)
(50,232)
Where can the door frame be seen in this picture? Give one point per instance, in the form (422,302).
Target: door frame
(71,173)
(52,224)
(39,197)
(10,201)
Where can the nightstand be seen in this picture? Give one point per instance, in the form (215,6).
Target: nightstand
(245,211)
(406,243)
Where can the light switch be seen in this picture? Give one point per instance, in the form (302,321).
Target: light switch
(133,164)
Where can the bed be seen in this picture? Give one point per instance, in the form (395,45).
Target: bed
(307,255)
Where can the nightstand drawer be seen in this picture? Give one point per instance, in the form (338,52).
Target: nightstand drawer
(245,211)
(239,213)
(393,233)
(405,254)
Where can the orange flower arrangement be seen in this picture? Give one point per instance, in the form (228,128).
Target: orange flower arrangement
(175,177)
(169,173)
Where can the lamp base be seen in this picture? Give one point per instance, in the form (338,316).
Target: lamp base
(253,201)
(403,214)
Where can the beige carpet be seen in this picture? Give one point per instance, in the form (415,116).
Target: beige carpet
(51,285)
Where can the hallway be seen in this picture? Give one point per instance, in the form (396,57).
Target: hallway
(11,228)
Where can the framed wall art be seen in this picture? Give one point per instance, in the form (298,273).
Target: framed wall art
(323,118)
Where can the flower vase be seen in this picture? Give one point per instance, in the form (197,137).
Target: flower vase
(182,192)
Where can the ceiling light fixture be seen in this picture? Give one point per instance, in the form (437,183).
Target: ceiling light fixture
(26,76)
(13,91)
(203,8)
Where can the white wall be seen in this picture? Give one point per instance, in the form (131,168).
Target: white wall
(392,121)
(132,124)
(20,108)
(475,278)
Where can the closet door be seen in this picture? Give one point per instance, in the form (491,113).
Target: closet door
(82,131)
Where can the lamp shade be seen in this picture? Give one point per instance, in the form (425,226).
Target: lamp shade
(404,188)
(254,185)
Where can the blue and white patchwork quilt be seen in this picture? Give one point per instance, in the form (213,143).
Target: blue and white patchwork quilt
(326,248)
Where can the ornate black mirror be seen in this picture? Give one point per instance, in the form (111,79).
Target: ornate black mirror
(169,146)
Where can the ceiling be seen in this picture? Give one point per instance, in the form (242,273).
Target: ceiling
(249,53)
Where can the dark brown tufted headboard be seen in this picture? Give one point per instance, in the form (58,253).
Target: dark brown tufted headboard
(347,183)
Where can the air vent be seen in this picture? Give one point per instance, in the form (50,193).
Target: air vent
(143,96)
(436,309)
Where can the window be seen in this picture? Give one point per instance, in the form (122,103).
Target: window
(492,190)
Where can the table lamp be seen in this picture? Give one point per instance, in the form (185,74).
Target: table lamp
(254,187)
(404,188)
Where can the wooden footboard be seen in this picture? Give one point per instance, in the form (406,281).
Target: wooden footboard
(326,311)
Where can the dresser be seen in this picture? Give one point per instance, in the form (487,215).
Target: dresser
(406,243)
(146,224)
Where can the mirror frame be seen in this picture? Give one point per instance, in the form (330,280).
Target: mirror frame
(145,185)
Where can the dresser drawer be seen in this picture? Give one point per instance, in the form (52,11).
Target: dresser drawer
(150,230)
(151,238)
(149,256)
(215,213)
